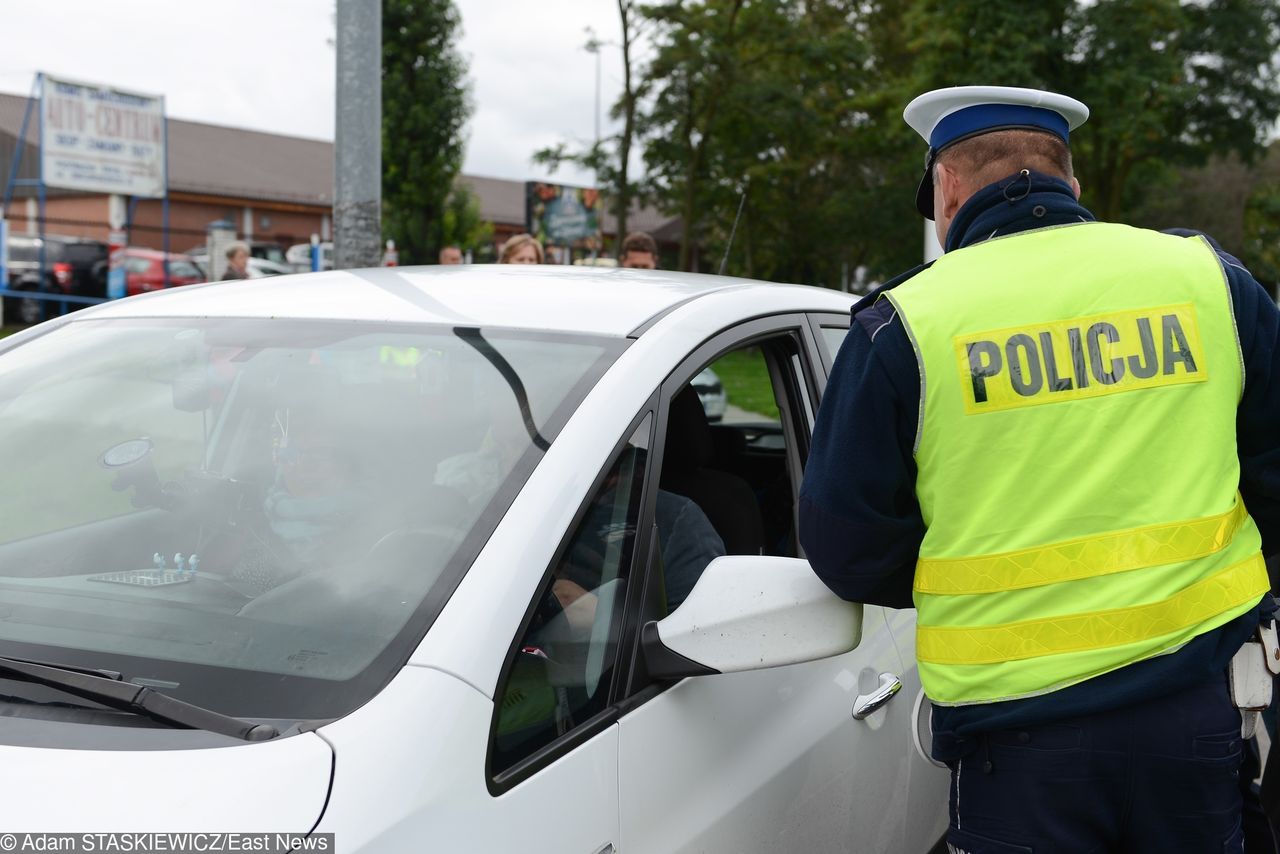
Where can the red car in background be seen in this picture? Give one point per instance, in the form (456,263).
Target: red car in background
(144,270)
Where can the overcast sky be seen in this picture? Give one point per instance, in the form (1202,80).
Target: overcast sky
(267,65)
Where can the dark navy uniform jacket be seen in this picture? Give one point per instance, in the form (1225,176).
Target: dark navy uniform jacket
(860,523)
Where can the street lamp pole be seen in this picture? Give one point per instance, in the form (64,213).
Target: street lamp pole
(593,45)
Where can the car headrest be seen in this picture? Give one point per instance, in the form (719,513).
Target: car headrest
(689,444)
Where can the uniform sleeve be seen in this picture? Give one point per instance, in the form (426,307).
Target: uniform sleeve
(860,523)
(1258,416)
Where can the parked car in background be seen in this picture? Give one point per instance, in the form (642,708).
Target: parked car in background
(144,270)
(439,602)
(260,268)
(73,266)
(299,257)
(711,393)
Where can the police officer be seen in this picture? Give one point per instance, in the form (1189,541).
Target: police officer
(1059,443)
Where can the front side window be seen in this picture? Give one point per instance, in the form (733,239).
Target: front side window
(262,515)
(564,662)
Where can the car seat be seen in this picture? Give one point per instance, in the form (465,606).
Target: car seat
(727,499)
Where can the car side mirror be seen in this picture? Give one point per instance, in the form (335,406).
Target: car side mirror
(749,612)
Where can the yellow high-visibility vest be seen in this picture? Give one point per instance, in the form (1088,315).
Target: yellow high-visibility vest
(1076,455)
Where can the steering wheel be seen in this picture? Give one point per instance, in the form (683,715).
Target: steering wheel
(385,585)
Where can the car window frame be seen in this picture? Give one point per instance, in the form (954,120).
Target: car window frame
(500,781)
(625,691)
(819,320)
(642,598)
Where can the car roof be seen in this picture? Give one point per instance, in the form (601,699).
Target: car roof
(545,297)
(143,252)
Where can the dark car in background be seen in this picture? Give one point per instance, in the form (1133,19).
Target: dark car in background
(73,266)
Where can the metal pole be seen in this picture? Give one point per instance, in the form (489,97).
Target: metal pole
(357,204)
(36,90)
(164,203)
(44,260)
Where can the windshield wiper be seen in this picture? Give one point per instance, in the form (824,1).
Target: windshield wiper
(134,698)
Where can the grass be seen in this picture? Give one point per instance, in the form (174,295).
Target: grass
(745,378)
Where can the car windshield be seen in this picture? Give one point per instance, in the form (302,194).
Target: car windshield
(261,517)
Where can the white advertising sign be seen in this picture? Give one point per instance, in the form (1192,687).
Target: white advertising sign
(102,140)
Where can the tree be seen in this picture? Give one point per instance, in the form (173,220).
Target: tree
(803,100)
(763,99)
(424,108)
(610,157)
(1169,83)
(461,224)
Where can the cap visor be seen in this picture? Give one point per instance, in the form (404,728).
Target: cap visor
(924,194)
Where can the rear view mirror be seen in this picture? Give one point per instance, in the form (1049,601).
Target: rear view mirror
(747,613)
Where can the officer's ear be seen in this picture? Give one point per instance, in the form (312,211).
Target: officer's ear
(952,188)
(1075,188)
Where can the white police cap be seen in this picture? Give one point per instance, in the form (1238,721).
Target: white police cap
(947,116)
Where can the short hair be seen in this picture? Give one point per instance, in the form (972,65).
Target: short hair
(991,156)
(515,244)
(639,241)
(237,247)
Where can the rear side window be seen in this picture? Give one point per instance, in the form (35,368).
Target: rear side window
(184,270)
(137,265)
(23,251)
(85,253)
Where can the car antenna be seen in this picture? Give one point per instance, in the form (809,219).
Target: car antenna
(746,185)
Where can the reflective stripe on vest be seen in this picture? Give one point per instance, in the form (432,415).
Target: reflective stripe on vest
(1076,460)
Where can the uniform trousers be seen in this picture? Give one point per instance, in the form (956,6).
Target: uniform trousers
(1159,777)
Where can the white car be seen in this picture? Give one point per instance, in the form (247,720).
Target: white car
(427,560)
(260,268)
(299,256)
(715,401)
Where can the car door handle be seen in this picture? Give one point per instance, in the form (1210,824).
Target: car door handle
(608,849)
(890,685)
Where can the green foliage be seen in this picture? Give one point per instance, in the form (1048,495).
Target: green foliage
(1260,242)
(802,100)
(461,224)
(424,108)
(745,378)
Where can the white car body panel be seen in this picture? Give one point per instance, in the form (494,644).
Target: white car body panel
(275,786)
(773,761)
(404,784)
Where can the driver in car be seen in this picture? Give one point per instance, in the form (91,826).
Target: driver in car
(316,509)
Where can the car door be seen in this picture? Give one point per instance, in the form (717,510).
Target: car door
(770,760)
(928,782)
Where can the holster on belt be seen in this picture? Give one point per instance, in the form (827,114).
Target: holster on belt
(1252,674)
